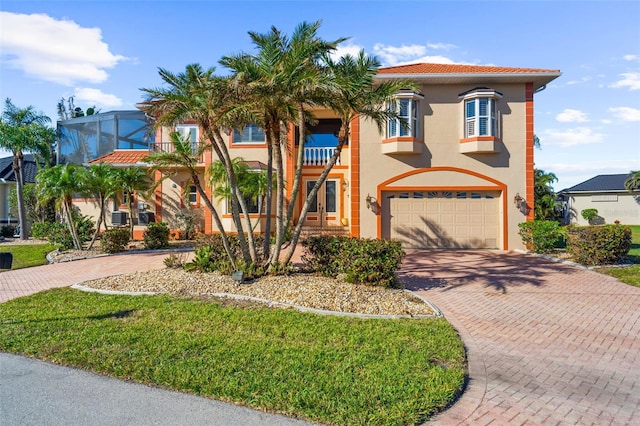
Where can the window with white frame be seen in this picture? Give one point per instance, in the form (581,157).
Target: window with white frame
(190,131)
(480,117)
(405,105)
(193,195)
(250,134)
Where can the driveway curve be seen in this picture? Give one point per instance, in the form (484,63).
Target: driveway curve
(547,342)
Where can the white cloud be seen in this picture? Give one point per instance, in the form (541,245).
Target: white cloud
(571,137)
(392,55)
(96,97)
(572,116)
(441,46)
(630,57)
(343,50)
(628,79)
(409,54)
(626,113)
(580,81)
(59,51)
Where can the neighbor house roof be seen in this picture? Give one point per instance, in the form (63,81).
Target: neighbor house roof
(29,169)
(464,74)
(122,157)
(600,183)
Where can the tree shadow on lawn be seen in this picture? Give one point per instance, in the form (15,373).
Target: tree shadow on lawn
(452,269)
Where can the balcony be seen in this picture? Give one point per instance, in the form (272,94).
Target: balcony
(168,147)
(319,156)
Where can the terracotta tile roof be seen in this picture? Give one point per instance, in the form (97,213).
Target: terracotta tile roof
(424,68)
(122,157)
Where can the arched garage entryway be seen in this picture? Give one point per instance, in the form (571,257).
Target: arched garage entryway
(443,207)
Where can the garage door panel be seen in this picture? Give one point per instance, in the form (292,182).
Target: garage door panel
(445,219)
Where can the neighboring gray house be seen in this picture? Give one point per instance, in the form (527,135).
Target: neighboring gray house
(608,195)
(8,181)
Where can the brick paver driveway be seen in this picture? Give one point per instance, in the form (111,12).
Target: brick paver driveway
(548,343)
(22,282)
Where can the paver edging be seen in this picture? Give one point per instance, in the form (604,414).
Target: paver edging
(50,259)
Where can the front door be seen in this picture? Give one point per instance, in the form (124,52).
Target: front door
(325,205)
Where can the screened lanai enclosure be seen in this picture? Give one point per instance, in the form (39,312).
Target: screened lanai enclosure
(83,139)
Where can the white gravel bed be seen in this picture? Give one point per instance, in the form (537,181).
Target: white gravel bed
(305,290)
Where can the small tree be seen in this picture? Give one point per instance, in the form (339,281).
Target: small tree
(23,130)
(61,183)
(633,182)
(544,196)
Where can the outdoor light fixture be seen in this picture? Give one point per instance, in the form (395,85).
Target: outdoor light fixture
(520,202)
(372,203)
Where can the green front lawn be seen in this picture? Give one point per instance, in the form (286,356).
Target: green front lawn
(629,274)
(324,369)
(27,255)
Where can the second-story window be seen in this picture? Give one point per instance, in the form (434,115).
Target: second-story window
(480,112)
(406,106)
(250,134)
(190,131)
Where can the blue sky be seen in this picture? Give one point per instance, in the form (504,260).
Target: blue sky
(102,52)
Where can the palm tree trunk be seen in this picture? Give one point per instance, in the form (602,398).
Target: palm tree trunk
(295,236)
(99,224)
(218,221)
(280,188)
(298,172)
(268,198)
(67,206)
(22,215)
(246,241)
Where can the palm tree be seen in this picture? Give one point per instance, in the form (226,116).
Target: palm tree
(101,181)
(544,196)
(210,101)
(183,156)
(23,129)
(282,79)
(61,183)
(633,182)
(351,95)
(252,184)
(131,180)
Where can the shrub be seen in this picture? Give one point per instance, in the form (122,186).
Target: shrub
(589,214)
(85,227)
(541,236)
(361,260)
(599,245)
(40,230)
(58,233)
(8,231)
(210,255)
(156,235)
(175,261)
(188,222)
(114,240)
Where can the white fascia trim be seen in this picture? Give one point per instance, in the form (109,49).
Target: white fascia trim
(467,75)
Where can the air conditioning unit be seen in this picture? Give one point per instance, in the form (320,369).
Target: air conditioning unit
(119,218)
(145,218)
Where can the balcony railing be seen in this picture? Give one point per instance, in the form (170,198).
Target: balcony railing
(318,156)
(168,147)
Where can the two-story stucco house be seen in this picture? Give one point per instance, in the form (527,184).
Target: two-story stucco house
(460,175)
